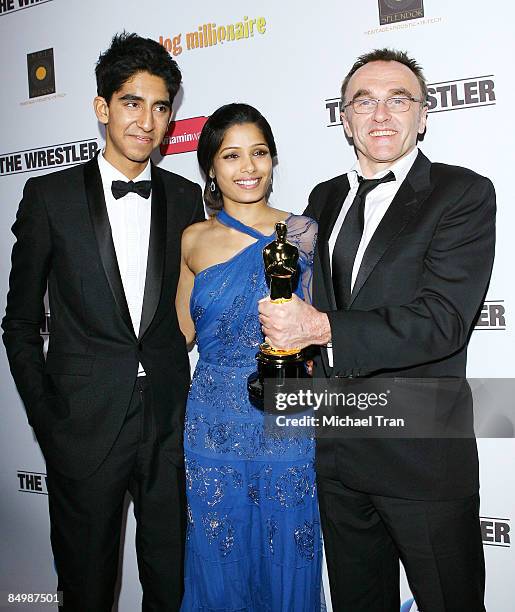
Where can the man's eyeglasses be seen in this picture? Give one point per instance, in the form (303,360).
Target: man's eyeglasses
(395,104)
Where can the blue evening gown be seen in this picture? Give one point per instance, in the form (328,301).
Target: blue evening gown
(253,539)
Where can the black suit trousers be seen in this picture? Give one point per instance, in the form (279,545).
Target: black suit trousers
(438,542)
(86,518)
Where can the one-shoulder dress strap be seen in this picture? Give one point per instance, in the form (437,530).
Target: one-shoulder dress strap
(229,221)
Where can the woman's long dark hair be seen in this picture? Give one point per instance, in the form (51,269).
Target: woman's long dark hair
(213,134)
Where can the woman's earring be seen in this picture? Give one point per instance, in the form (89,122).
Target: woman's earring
(212,185)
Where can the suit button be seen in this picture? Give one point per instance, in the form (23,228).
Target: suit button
(140,347)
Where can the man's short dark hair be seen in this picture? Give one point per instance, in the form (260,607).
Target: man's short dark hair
(130,54)
(386,55)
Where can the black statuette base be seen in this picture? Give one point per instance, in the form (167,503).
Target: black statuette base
(275,369)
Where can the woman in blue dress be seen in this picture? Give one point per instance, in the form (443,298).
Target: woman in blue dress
(253,537)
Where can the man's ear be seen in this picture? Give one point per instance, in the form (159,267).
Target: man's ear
(423,120)
(101,109)
(345,124)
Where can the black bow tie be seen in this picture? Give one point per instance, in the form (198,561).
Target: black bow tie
(121,188)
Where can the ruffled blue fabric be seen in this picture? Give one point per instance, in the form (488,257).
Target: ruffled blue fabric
(253,539)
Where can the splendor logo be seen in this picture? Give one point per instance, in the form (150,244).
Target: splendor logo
(182,136)
(392,11)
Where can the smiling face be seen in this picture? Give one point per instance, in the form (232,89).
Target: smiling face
(242,165)
(136,121)
(383,137)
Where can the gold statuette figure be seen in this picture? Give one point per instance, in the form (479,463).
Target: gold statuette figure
(280,259)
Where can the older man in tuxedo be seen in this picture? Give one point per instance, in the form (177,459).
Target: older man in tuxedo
(107,404)
(404,257)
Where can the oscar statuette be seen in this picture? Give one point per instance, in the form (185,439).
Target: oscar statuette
(275,365)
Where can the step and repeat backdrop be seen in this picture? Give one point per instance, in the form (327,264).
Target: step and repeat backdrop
(288,59)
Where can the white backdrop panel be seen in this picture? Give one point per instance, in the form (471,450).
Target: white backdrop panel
(288,71)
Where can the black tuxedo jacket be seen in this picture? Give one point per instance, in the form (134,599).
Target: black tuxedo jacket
(77,399)
(413,306)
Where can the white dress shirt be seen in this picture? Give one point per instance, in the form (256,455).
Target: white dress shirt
(376,205)
(129,218)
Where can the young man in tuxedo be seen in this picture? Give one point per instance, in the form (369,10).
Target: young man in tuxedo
(404,256)
(107,403)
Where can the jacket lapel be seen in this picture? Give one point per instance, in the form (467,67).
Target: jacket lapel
(406,203)
(323,283)
(333,206)
(156,253)
(102,229)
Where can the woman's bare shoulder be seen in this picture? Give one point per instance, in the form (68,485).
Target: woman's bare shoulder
(197,230)
(279,215)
